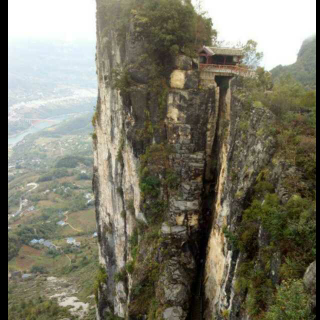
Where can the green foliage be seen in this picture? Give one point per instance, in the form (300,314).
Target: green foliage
(101,278)
(146,269)
(95,117)
(252,57)
(152,314)
(291,303)
(123,214)
(231,237)
(143,292)
(286,96)
(169,26)
(39,269)
(38,309)
(83,176)
(130,266)
(53,253)
(150,185)
(121,276)
(130,206)
(54,174)
(111,316)
(120,191)
(78,203)
(133,240)
(14,246)
(172,180)
(73,162)
(309,101)
(26,234)
(291,229)
(94,137)
(294,130)
(155,178)
(121,80)
(120,151)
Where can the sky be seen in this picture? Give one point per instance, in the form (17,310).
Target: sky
(279,26)
(66,20)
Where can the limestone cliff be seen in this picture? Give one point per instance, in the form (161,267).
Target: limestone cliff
(173,172)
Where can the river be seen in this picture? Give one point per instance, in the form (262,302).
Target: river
(13,140)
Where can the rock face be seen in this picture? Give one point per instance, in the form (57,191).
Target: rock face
(310,282)
(243,157)
(217,149)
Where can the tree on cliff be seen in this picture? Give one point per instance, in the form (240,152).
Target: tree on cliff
(171,26)
(164,27)
(252,58)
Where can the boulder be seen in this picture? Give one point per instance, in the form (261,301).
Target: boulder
(173,230)
(178,79)
(310,282)
(174,313)
(181,79)
(310,278)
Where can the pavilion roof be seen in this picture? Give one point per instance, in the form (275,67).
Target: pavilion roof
(211,51)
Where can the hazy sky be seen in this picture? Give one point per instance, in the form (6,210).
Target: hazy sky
(279,26)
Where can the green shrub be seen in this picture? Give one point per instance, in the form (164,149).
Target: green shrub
(73,162)
(111,316)
(121,80)
(291,303)
(130,206)
(121,276)
(130,267)
(101,277)
(14,246)
(150,185)
(291,227)
(83,176)
(120,191)
(123,214)
(39,269)
(169,27)
(38,309)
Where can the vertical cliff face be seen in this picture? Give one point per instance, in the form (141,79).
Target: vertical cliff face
(242,155)
(174,170)
(197,130)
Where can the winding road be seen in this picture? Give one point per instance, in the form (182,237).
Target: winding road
(35,186)
(66,219)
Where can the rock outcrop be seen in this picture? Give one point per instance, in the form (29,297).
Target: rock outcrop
(310,282)
(173,172)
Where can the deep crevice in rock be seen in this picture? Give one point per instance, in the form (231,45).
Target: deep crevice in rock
(208,199)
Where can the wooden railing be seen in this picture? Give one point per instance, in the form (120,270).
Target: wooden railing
(227,68)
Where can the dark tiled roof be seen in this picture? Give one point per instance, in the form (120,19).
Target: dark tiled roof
(222,51)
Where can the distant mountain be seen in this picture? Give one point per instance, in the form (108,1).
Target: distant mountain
(304,70)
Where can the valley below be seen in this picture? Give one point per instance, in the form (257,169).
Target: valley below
(52,240)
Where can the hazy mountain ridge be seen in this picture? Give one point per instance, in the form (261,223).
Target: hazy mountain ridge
(304,69)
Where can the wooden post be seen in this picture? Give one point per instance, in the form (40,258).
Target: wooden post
(224,62)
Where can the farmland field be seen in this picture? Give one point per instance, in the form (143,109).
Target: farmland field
(49,181)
